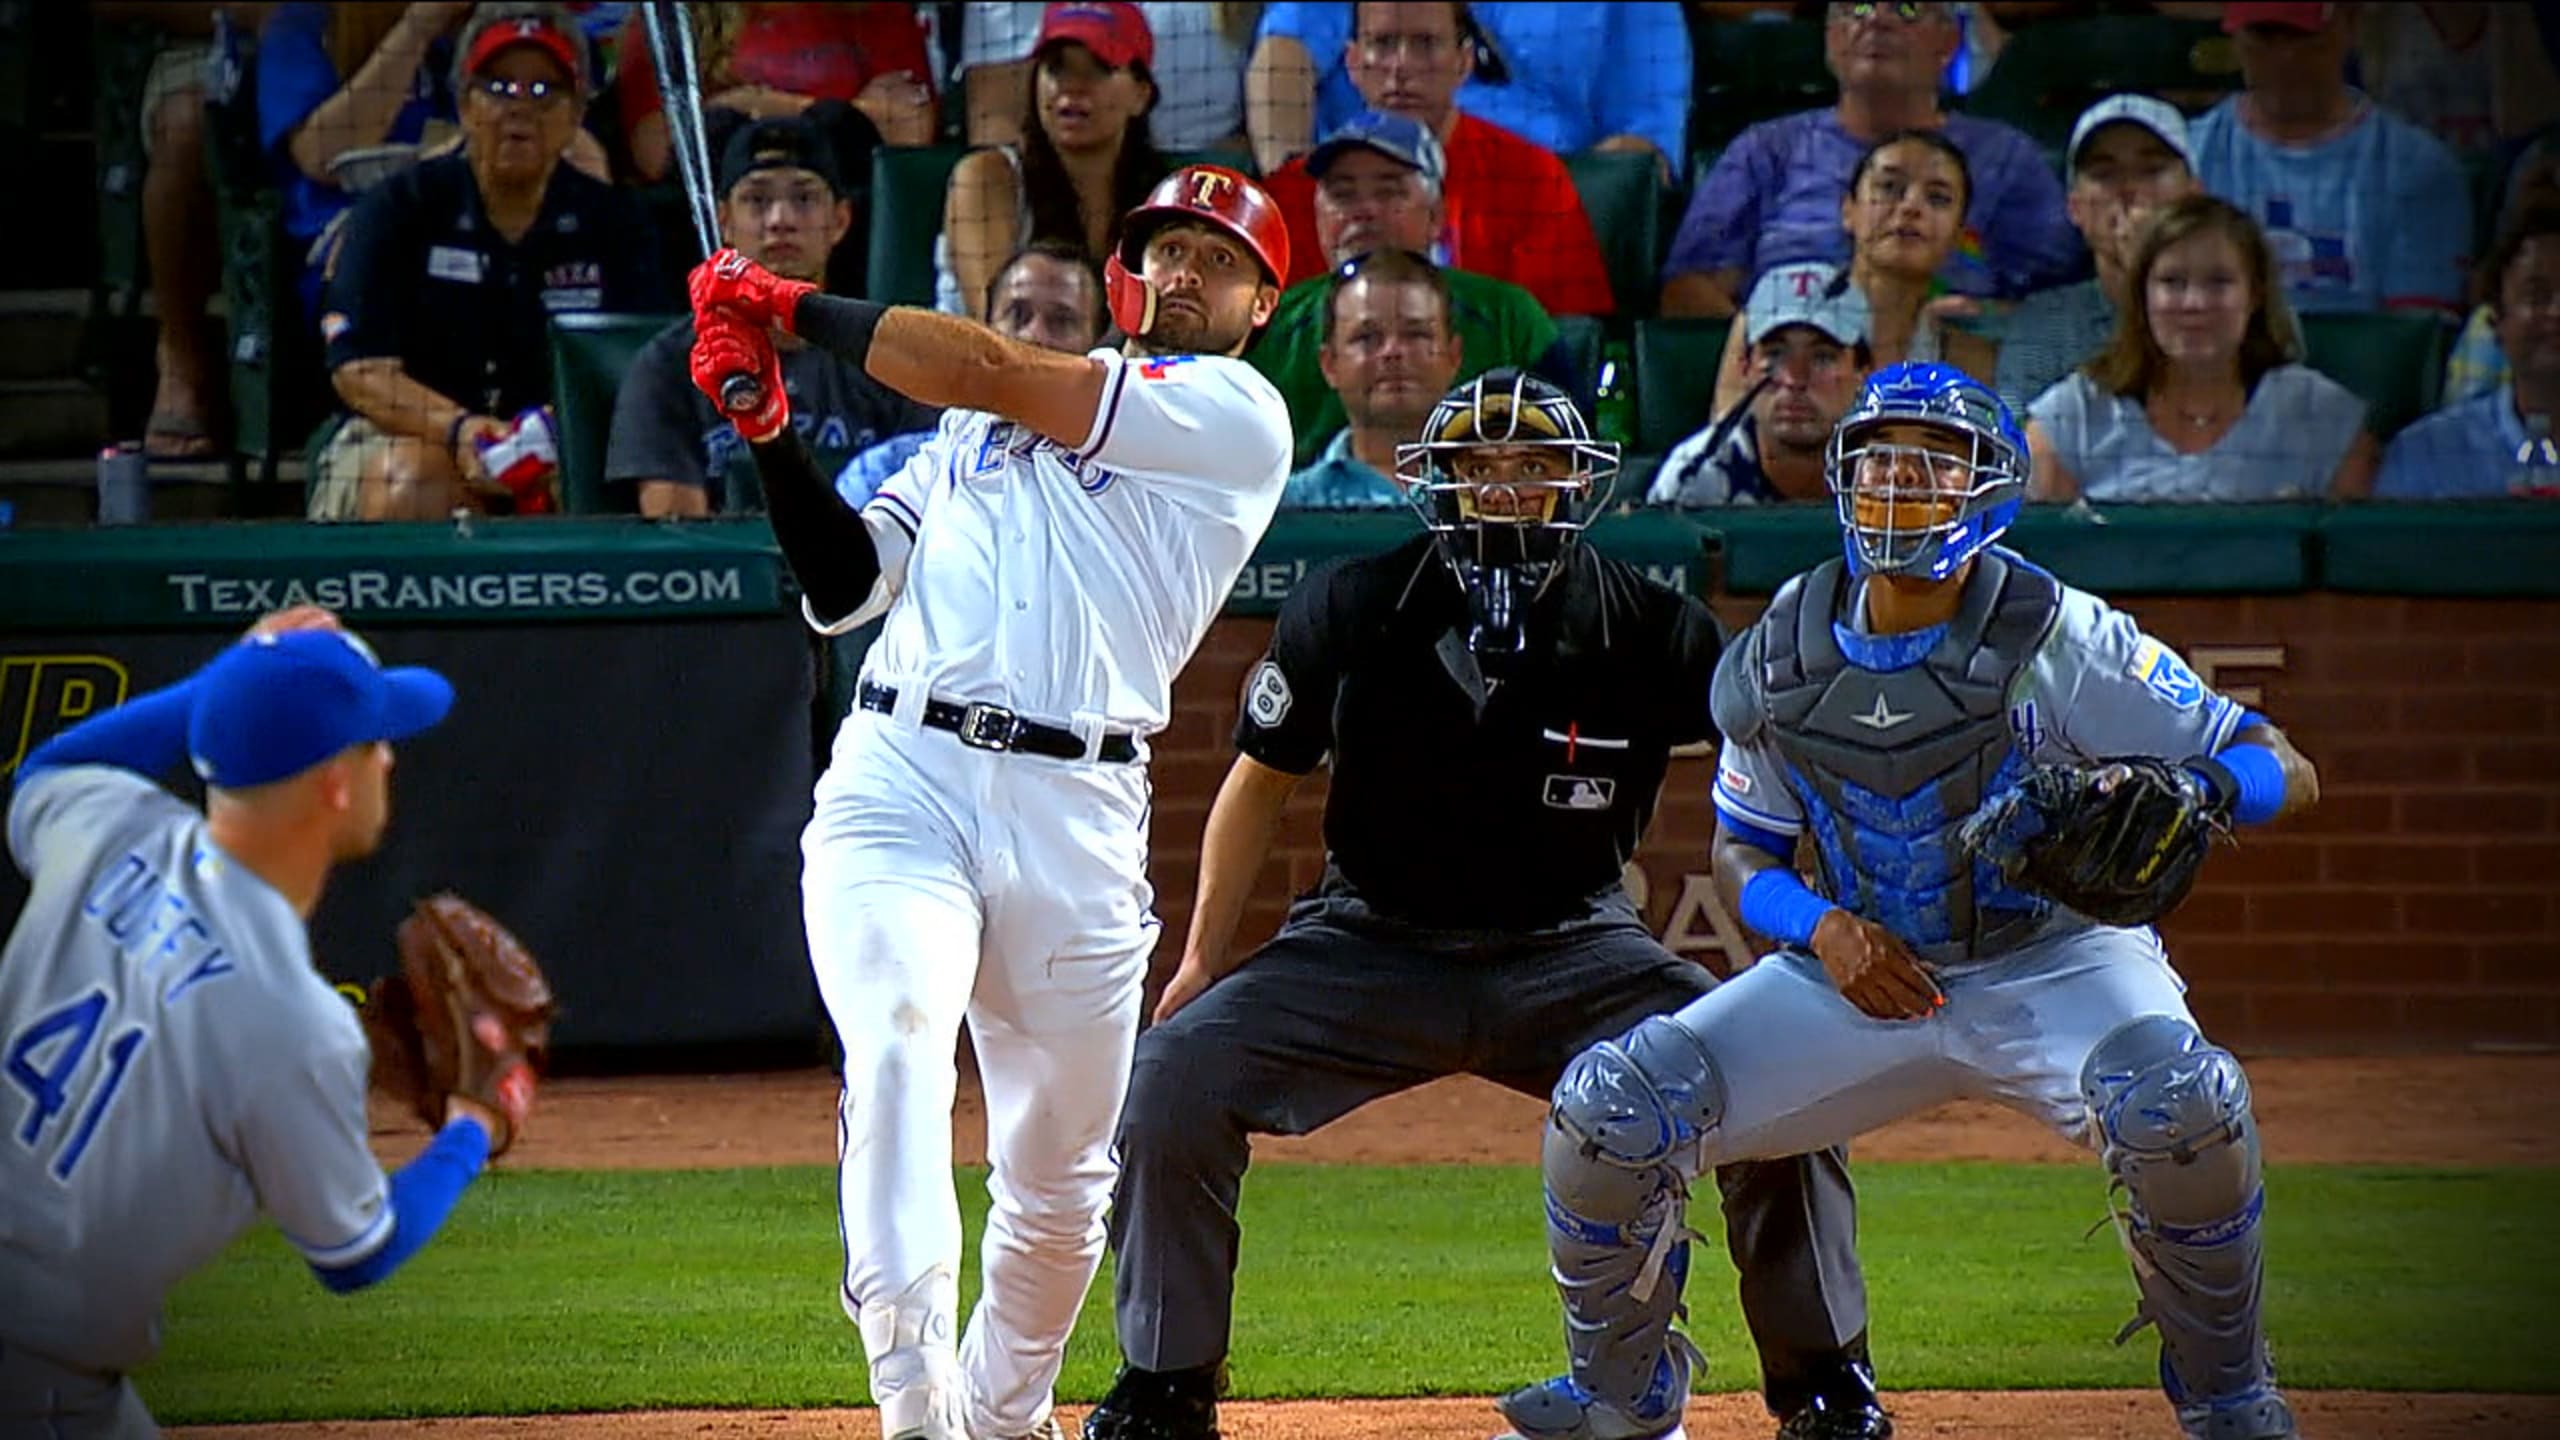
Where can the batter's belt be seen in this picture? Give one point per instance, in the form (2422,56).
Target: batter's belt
(993,727)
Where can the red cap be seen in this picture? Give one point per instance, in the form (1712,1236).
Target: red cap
(525,30)
(2310,19)
(1114,30)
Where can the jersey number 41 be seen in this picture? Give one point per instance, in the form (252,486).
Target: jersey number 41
(44,1059)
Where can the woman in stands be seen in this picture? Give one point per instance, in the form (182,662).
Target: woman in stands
(1085,160)
(2199,396)
(1905,215)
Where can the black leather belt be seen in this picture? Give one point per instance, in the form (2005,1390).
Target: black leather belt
(993,727)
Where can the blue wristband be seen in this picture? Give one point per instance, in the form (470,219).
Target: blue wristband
(2257,777)
(1777,903)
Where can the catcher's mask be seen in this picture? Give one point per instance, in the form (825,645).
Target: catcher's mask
(1916,507)
(1506,475)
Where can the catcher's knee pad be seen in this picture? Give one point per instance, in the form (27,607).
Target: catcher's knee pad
(2171,1111)
(1637,1101)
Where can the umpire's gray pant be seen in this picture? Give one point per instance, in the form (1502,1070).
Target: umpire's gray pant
(40,1400)
(1340,1009)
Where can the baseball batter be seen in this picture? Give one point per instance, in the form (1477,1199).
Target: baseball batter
(162,1031)
(1877,705)
(1047,563)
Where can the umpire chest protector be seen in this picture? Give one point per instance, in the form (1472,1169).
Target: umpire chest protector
(1891,741)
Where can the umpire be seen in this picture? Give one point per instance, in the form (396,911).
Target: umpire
(1499,702)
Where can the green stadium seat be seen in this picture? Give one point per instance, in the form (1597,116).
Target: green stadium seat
(590,353)
(1675,379)
(908,183)
(2395,362)
(1747,71)
(1238,160)
(2052,70)
(1583,338)
(1622,193)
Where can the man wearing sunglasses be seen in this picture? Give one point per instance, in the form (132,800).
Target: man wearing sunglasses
(438,303)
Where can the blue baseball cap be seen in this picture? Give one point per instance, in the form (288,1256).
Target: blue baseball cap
(276,705)
(1400,138)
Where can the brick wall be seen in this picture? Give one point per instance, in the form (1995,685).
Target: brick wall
(2418,907)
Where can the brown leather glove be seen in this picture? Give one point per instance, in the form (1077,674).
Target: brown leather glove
(468,1014)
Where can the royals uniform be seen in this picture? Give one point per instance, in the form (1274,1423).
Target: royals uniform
(1044,599)
(174,1065)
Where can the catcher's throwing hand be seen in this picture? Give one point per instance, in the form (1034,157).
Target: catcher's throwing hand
(1873,969)
(2119,840)
(467,1018)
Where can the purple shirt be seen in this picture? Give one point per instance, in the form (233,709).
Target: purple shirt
(1774,197)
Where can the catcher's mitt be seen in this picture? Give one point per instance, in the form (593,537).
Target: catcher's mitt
(2120,840)
(468,1014)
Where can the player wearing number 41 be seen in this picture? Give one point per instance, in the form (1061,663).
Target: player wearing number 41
(1900,706)
(1047,562)
(175,1064)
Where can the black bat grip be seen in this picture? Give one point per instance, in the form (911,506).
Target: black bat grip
(740,394)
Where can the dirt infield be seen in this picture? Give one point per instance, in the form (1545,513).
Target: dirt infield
(2453,1110)
(1918,1415)
(2432,1110)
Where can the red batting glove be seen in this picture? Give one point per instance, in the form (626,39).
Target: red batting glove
(725,347)
(731,281)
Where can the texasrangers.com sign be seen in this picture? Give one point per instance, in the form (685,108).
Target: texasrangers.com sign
(359,593)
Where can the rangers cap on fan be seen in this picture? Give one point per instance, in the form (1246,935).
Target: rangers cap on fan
(1809,294)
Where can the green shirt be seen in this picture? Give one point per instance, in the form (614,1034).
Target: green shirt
(1498,324)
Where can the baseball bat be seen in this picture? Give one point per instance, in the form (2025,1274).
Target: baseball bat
(680,90)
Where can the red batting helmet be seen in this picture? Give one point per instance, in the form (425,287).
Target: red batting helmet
(1210,193)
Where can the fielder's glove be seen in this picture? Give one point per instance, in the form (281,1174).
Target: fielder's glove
(468,1014)
(2120,840)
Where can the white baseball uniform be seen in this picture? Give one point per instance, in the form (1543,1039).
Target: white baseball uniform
(945,881)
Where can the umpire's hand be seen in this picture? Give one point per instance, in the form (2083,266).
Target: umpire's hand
(1873,969)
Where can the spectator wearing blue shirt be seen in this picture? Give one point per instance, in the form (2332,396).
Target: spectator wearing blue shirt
(2365,210)
(1570,77)
(2199,395)
(1390,352)
(1774,196)
(2498,443)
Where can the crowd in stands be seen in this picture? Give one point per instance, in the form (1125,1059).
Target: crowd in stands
(2146,278)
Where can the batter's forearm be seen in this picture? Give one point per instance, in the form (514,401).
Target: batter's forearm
(957,364)
(829,548)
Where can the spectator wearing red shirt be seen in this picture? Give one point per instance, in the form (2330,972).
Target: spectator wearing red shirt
(1511,210)
(766,61)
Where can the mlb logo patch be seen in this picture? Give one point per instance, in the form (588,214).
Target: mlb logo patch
(1581,792)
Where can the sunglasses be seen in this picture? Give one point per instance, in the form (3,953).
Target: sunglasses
(1909,12)
(531,92)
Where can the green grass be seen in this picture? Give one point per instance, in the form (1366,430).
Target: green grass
(570,1291)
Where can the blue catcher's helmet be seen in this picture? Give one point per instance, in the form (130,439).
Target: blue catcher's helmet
(1924,510)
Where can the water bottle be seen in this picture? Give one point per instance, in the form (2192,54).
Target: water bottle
(124,484)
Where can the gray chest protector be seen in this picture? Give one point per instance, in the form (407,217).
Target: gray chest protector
(1891,741)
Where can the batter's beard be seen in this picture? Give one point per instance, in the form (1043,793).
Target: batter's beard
(1183,335)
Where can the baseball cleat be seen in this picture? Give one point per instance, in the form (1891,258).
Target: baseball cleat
(1838,1419)
(1157,1405)
(1559,1409)
(2259,1414)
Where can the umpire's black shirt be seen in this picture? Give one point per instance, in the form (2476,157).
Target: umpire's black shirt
(1517,813)
(424,278)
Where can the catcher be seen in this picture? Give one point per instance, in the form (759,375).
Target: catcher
(175,1065)
(2004,782)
